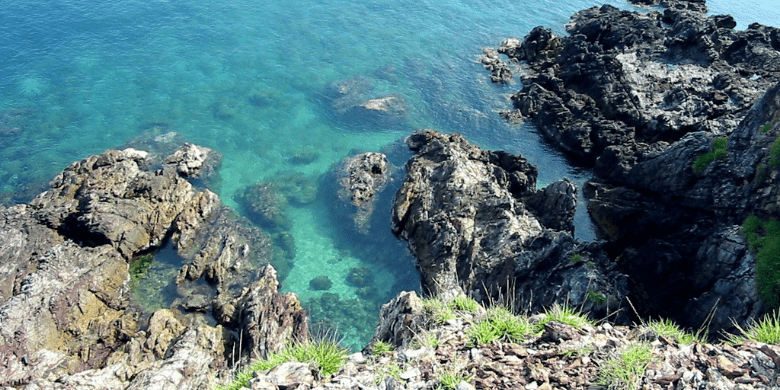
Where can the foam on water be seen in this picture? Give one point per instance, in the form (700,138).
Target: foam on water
(246,79)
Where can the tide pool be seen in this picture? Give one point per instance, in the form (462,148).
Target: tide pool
(248,79)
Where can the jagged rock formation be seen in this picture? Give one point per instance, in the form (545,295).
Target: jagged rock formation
(642,96)
(629,83)
(470,217)
(68,320)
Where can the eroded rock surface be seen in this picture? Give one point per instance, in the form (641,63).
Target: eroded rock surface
(68,319)
(463,211)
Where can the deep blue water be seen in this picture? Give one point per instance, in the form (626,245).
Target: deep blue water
(247,78)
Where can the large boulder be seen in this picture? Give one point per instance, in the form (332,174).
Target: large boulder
(462,210)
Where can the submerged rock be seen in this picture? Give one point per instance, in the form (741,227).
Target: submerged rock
(359,182)
(354,102)
(463,211)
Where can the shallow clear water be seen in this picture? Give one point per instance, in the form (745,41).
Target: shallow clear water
(247,79)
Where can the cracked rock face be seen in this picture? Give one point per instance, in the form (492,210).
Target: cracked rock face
(470,218)
(68,320)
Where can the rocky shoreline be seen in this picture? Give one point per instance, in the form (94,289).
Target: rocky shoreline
(640,97)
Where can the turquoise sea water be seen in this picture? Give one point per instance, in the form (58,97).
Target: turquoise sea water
(247,79)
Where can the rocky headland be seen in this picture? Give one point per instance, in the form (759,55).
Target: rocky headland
(645,98)
(678,115)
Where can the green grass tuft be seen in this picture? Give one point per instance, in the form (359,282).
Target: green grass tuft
(596,297)
(327,355)
(451,380)
(381,348)
(465,304)
(626,370)
(764,238)
(774,153)
(766,128)
(718,152)
(565,315)
(765,330)
(499,323)
(439,310)
(665,327)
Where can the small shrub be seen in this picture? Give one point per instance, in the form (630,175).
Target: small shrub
(766,128)
(774,153)
(381,348)
(665,327)
(626,370)
(576,257)
(465,304)
(596,297)
(718,152)
(766,330)
(764,238)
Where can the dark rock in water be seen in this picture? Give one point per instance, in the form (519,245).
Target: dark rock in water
(500,72)
(304,157)
(166,145)
(265,204)
(67,315)
(462,210)
(321,282)
(359,182)
(296,187)
(359,277)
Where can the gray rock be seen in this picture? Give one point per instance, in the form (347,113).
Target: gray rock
(68,319)
(462,211)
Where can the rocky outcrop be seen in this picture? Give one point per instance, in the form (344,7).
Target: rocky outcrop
(643,96)
(636,81)
(69,320)
(463,211)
